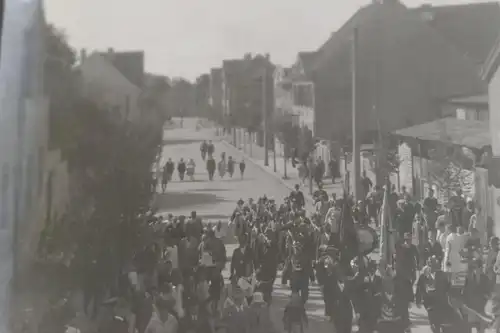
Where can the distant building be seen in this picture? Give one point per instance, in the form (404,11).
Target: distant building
(202,92)
(182,98)
(491,74)
(246,83)
(114,80)
(409,62)
(215,88)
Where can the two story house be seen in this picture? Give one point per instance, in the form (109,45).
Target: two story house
(114,80)
(215,93)
(409,61)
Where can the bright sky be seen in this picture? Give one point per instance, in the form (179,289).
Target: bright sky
(188,37)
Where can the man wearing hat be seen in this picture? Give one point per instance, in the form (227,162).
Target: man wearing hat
(432,293)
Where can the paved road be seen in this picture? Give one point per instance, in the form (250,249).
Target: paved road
(215,200)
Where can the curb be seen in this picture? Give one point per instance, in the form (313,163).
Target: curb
(263,168)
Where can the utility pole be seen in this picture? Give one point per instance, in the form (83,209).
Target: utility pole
(274,153)
(355,139)
(264,116)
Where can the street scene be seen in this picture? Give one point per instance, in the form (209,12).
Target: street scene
(250,167)
(215,201)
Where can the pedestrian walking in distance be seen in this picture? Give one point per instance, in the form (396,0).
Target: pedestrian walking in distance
(164,179)
(190,169)
(203,149)
(210,167)
(181,169)
(210,148)
(170,169)
(222,167)
(230,166)
(242,168)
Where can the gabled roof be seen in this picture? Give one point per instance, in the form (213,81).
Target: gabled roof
(472,28)
(468,133)
(308,60)
(129,63)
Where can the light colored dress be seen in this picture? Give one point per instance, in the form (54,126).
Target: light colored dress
(190,168)
(222,168)
(458,269)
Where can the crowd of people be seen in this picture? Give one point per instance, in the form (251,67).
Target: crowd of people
(163,175)
(176,284)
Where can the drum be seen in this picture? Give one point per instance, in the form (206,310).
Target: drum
(367,237)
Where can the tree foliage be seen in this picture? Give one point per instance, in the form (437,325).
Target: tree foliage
(110,172)
(112,163)
(449,167)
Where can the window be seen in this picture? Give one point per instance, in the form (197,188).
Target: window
(4,208)
(303,95)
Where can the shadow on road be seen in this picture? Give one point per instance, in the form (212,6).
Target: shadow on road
(179,141)
(217,217)
(182,199)
(211,190)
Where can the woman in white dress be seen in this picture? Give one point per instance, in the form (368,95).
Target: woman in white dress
(452,262)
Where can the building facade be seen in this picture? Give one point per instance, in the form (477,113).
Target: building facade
(106,85)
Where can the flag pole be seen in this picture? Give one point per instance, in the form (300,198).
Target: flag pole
(355,140)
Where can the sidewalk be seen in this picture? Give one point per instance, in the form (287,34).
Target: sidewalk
(256,155)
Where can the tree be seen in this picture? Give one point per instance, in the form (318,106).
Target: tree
(111,163)
(449,168)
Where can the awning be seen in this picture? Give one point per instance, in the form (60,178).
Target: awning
(467,133)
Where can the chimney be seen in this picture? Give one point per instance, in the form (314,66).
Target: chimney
(267,56)
(83,55)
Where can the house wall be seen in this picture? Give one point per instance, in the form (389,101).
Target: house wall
(404,66)
(494,103)
(104,84)
(216,91)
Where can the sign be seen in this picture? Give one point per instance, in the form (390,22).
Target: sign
(458,278)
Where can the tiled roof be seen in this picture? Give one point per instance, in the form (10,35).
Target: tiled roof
(468,133)
(130,64)
(395,35)
(472,28)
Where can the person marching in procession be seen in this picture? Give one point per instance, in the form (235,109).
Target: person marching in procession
(230,166)
(203,149)
(221,166)
(242,168)
(211,166)
(181,169)
(190,169)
